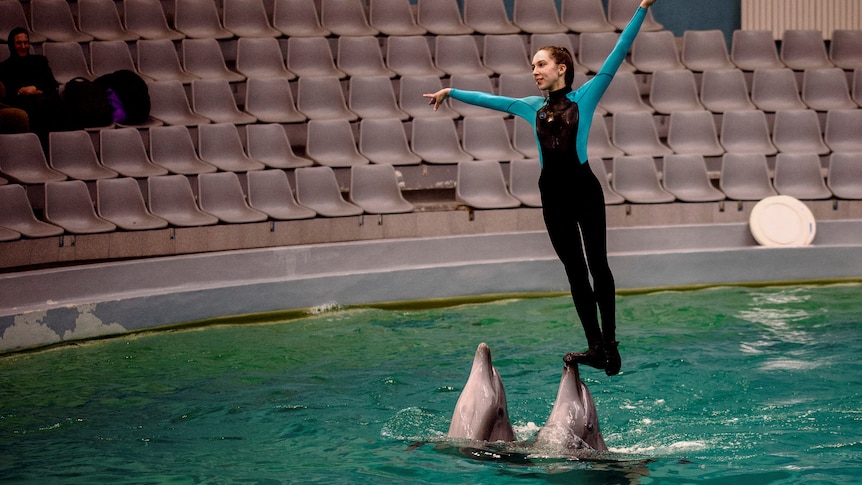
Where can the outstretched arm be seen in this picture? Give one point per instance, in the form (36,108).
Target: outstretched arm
(647,3)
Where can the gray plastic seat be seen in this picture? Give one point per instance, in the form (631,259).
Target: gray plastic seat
(411,89)
(68,205)
(271,101)
(480,184)
(585,16)
(297,18)
(219,144)
(261,58)
(599,143)
(168,103)
(52,19)
(441,17)
(101,19)
(745,176)
(375,189)
(204,59)
(172,147)
(705,50)
(623,95)
(435,140)
(856,89)
(268,144)
(505,54)
(686,177)
(524,138)
(22,159)
(171,198)
(158,60)
(214,99)
(247,19)
(775,90)
(845,48)
(331,143)
(537,16)
(123,151)
(67,61)
(746,132)
(322,98)
(473,82)
(621,11)
(7,234)
(107,56)
(594,48)
(635,133)
(487,138)
(655,51)
(826,89)
(317,188)
(12,15)
(804,49)
(488,17)
(385,141)
(844,178)
(751,50)
(269,192)
(120,202)
(72,153)
(199,19)
(394,17)
(693,132)
(220,194)
(843,129)
(373,97)
(147,19)
(637,180)
(524,181)
(16,213)
(673,91)
(798,131)
(601,173)
(345,17)
(458,54)
(725,90)
(800,175)
(518,85)
(361,56)
(410,56)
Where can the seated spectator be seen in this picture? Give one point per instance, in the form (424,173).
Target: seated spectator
(30,85)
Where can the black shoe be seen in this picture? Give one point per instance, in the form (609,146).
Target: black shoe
(594,357)
(613,363)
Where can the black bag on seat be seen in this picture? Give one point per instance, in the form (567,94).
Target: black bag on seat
(133,93)
(87,104)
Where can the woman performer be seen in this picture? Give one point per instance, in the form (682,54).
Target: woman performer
(570,191)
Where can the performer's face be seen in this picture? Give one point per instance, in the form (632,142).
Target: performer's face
(22,45)
(548,74)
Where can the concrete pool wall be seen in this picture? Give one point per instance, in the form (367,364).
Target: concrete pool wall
(51,306)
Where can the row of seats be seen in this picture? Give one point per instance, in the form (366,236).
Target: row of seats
(55,20)
(374,189)
(225,147)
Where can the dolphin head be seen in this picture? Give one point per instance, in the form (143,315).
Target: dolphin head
(481,412)
(574,422)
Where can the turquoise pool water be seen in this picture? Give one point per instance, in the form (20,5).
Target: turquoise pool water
(726,385)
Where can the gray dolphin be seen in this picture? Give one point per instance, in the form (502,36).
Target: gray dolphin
(481,412)
(573,422)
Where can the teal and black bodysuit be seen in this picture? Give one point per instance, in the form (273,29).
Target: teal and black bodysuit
(572,201)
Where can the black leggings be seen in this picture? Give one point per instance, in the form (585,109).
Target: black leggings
(574,210)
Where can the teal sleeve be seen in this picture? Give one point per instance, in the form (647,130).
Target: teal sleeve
(524,107)
(589,94)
